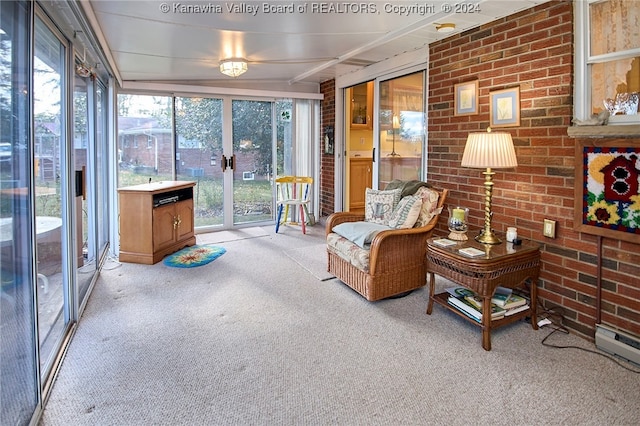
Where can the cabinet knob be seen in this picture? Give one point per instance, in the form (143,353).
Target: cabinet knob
(176,222)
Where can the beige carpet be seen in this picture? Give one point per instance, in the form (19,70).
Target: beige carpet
(234,235)
(312,259)
(253,339)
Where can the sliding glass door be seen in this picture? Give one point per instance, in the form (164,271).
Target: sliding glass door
(252,161)
(19,384)
(52,217)
(232,149)
(198,155)
(402,128)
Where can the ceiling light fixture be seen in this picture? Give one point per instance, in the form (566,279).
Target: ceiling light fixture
(445,28)
(233,67)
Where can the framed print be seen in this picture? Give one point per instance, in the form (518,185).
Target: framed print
(466,98)
(607,179)
(504,107)
(328,140)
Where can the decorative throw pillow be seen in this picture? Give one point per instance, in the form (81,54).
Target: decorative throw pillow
(406,213)
(429,205)
(379,205)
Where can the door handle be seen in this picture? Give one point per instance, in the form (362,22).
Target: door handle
(227,162)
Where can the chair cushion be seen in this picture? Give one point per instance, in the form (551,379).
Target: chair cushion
(349,251)
(361,233)
(406,213)
(379,205)
(429,205)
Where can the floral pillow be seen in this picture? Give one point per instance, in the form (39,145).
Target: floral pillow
(379,205)
(406,213)
(429,205)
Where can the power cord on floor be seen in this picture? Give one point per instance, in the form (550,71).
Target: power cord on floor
(556,319)
(112,262)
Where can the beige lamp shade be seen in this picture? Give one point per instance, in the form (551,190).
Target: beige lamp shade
(395,122)
(233,67)
(489,150)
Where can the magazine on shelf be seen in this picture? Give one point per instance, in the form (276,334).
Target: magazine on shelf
(515,301)
(460,292)
(476,301)
(515,310)
(473,317)
(444,242)
(463,305)
(501,295)
(471,252)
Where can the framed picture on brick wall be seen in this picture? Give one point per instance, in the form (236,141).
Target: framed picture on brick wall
(607,201)
(504,107)
(466,98)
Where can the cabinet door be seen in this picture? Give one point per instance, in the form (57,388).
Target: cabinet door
(184,214)
(362,106)
(359,180)
(163,226)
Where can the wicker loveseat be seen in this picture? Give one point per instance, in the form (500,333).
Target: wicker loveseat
(393,263)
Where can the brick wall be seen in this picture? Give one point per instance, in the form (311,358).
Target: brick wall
(534,50)
(327,172)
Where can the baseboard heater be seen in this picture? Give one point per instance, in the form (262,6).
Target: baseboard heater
(618,343)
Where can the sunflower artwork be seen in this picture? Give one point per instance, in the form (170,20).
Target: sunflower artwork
(610,197)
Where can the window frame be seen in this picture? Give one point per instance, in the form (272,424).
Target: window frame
(584,60)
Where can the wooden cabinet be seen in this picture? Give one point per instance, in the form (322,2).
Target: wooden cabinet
(361,106)
(360,176)
(156,219)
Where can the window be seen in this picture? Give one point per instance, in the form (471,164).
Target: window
(608,68)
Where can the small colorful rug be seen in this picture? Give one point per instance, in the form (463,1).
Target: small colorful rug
(193,256)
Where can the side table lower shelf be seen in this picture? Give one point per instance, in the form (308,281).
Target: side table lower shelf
(442,299)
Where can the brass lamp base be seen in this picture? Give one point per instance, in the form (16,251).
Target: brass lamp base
(490,238)
(487,236)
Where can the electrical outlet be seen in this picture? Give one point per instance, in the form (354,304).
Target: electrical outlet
(549,229)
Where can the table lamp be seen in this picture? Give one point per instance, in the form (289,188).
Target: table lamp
(489,150)
(395,126)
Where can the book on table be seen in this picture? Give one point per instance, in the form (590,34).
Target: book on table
(472,252)
(469,308)
(444,242)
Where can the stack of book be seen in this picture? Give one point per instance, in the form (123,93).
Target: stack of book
(503,303)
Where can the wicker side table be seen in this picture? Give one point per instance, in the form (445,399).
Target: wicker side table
(502,264)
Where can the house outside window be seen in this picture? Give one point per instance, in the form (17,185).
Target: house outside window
(608,59)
